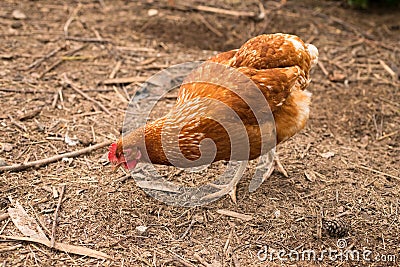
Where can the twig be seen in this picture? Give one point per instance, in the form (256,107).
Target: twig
(86,40)
(188,229)
(235,215)
(70,19)
(385,100)
(115,70)
(183,262)
(17,124)
(209,26)
(40,60)
(38,163)
(387,135)
(322,67)
(59,61)
(55,98)
(201,260)
(378,172)
(79,250)
(53,229)
(388,69)
(10,248)
(76,89)
(24,91)
(124,80)
(218,10)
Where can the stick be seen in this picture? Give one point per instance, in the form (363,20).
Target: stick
(219,10)
(234,214)
(115,70)
(17,124)
(10,248)
(378,172)
(388,69)
(37,163)
(86,40)
(209,26)
(201,260)
(79,91)
(53,229)
(124,80)
(59,61)
(184,263)
(40,60)
(62,247)
(70,19)
(24,91)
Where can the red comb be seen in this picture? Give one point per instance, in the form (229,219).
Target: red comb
(112,150)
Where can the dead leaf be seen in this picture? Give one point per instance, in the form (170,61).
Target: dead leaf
(62,247)
(26,224)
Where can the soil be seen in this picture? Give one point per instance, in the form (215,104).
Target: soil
(343,167)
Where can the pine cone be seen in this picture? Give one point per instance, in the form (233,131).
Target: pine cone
(335,228)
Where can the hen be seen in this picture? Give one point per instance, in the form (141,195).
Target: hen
(278,65)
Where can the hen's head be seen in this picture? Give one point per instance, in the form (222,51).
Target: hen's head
(127,157)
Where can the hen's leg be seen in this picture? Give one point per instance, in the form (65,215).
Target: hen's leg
(229,188)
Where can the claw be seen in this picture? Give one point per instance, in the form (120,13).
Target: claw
(232,194)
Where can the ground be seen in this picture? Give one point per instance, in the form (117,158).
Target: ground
(344,165)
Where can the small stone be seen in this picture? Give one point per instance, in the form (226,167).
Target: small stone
(277,213)
(141,229)
(152,12)
(328,154)
(18,14)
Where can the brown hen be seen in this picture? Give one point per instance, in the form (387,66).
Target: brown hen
(278,65)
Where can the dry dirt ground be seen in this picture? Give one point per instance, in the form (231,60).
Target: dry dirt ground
(349,150)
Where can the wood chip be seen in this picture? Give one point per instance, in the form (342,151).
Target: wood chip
(234,214)
(310,175)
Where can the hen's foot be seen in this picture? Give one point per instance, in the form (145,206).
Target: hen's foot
(277,165)
(229,188)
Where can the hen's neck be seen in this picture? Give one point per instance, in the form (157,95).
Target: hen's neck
(154,148)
